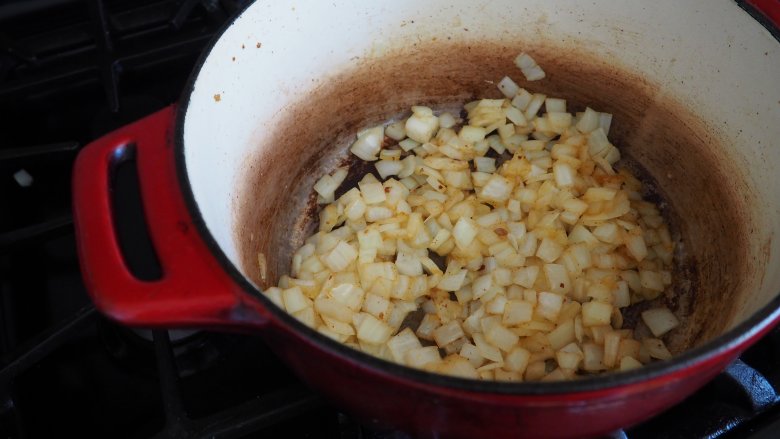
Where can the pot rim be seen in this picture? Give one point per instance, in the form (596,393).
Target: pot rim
(736,339)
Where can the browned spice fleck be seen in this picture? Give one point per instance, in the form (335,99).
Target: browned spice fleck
(259,45)
(217,97)
(501,231)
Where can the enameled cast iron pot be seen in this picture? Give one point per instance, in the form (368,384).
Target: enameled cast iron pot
(227,174)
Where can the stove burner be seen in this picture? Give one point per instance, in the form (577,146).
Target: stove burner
(133,348)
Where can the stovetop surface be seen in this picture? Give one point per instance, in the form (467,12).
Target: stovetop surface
(71,71)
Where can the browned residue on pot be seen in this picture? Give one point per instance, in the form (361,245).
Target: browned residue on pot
(679,157)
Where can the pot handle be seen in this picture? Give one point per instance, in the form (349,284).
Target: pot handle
(194,290)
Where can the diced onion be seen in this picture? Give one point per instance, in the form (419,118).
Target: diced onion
(386,168)
(508,87)
(396,131)
(327,185)
(660,320)
(528,66)
(589,121)
(545,242)
(368,143)
(447,120)
(555,105)
(656,348)
(422,125)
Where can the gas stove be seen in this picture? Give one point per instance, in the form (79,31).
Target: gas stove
(71,71)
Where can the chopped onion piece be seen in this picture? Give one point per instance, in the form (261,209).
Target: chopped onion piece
(501,337)
(487,350)
(549,250)
(341,256)
(464,232)
(635,244)
(555,105)
(386,168)
(533,107)
(396,130)
(549,305)
(508,87)
(372,330)
(453,278)
(651,280)
(368,143)
(447,120)
(446,334)
(408,144)
(485,164)
(349,295)
(402,343)
(528,66)
(421,125)
(596,313)
(275,294)
(565,176)
(522,99)
(294,300)
(472,134)
(589,121)
(496,189)
(327,185)
(656,348)
(629,363)
(660,320)
(421,357)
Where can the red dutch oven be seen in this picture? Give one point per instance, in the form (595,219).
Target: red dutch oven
(227,173)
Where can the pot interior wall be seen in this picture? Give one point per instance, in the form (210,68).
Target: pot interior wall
(705,194)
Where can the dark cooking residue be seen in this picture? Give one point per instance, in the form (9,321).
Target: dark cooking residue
(449,74)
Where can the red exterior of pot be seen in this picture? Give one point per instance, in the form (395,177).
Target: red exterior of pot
(429,411)
(770,9)
(196,290)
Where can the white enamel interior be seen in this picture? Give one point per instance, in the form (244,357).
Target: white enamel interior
(711,55)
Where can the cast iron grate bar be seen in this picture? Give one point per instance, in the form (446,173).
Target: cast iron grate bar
(105,50)
(16,51)
(39,349)
(260,413)
(727,404)
(53,228)
(45,344)
(183,12)
(105,46)
(252,416)
(169,385)
(9,154)
(754,387)
(214,11)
